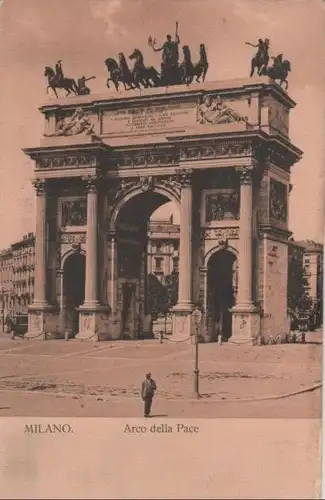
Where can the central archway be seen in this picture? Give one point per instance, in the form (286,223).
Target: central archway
(221,288)
(131,230)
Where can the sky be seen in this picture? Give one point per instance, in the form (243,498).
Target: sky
(83,33)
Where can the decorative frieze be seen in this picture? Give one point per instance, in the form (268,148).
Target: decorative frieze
(216,149)
(67,161)
(146,158)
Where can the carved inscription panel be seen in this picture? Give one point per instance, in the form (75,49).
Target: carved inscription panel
(149,118)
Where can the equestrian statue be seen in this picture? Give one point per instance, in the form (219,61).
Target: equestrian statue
(171,72)
(57,80)
(280,68)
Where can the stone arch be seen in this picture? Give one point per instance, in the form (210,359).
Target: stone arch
(136,191)
(68,254)
(218,248)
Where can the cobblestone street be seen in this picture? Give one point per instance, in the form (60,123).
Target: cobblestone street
(57,378)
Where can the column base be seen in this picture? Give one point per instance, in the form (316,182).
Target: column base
(94,322)
(182,324)
(43,319)
(246,324)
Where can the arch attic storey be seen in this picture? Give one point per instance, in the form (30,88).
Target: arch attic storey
(221,152)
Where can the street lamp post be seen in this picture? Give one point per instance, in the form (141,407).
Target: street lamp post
(197,316)
(62,322)
(2,310)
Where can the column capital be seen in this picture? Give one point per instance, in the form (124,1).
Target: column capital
(245,174)
(184,177)
(92,183)
(40,186)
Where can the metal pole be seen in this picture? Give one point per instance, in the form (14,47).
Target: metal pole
(61,305)
(3,311)
(196,370)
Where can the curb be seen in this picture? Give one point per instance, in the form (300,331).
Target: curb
(174,400)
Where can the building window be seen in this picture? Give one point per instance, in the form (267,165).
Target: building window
(158,263)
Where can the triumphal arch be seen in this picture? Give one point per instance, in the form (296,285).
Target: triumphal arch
(221,151)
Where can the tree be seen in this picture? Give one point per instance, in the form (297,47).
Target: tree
(157,297)
(171,283)
(162,296)
(298,295)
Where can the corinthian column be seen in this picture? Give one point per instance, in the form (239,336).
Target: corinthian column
(245,315)
(185,243)
(40,244)
(245,272)
(91,286)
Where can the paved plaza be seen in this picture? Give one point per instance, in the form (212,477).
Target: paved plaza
(74,378)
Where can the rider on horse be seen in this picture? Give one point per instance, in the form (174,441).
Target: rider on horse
(59,72)
(262,48)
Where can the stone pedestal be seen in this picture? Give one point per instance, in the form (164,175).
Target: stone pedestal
(94,323)
(42,320)
(245,325)
(182,323)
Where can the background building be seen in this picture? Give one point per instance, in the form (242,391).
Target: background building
(305,279)
(163,247)
(17,267)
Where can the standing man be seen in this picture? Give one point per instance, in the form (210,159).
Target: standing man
(148,388)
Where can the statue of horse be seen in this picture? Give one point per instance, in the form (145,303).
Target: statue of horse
(68,84)
(189,70)
(144,75)
(119,73)
(115,72)
(279,71)
(126,74)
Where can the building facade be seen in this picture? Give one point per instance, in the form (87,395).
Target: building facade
(221,151)
(163,247)
(17,269)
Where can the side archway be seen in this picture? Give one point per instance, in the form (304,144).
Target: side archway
(221,266)
(73,288)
